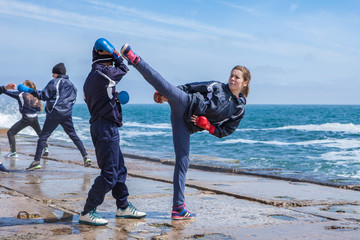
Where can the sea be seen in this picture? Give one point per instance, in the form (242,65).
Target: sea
(311,143)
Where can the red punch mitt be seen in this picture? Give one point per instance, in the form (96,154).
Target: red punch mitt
(205,124)
(158,98)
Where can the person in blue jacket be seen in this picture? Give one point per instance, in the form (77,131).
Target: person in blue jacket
(106,117)
(213,106)
(2,90)
(60,96)
(29,107)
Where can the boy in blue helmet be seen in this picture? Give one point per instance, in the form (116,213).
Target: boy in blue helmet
(106,117)
(60,96)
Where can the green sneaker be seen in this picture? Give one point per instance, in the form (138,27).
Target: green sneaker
(87,161)
(34,165)
(12,155)
(46,152)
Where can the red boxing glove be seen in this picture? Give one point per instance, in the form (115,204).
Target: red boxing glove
(158,97)
(205,124)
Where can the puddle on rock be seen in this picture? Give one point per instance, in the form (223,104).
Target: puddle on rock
(212,236)
(283,217)
(284,197)
(341,228)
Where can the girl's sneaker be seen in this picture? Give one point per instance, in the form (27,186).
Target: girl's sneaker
(180,213)
(129,54)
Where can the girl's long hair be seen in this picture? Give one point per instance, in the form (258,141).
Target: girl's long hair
(247,77)
(33,100)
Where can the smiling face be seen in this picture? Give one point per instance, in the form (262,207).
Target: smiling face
(237,82)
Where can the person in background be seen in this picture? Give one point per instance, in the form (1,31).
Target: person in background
(60,96)
(2,90)
(106,117)
(29,107)
(212,106)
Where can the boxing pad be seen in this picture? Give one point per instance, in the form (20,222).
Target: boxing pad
(123,97)
(158,97)
(23,88)
(204,123)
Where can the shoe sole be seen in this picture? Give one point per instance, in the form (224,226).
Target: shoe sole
(182,218)
(33,168)
(123,50)
(93,224)
(129,216)
(45,154)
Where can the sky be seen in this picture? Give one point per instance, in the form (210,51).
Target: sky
(298,52)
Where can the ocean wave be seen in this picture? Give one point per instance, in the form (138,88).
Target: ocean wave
(334,143)
(144,125)
(326,127)
(131,134)
(342,157)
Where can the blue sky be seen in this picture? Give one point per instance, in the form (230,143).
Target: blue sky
(298,52)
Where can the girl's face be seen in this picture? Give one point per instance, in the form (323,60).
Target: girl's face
(236,82)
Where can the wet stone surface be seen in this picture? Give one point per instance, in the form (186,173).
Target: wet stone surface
(45,204)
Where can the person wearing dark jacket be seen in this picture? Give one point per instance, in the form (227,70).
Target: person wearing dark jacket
(212,106)
(60,96)
(2,90)
(106,117)
(29,106)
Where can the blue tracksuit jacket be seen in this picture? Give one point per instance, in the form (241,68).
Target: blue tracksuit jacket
(99,91)
(215,101)
(60,96)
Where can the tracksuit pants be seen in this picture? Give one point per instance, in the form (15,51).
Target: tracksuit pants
(50,125)
(20,125)
(179,102)
(106,139)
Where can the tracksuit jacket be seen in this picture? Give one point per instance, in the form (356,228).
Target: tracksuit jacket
(26,107)
(60,96)
(100,95)
(215,101)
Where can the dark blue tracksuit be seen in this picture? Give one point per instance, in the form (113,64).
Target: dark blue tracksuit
(213,100)
(28,106)
(60,96)
(106,117)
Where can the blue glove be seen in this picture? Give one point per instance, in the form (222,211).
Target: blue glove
(105,45)
(123,97)
(23,88)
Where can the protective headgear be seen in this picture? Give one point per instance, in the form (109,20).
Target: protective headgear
(101,58)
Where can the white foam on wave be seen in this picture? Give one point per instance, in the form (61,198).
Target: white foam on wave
(144,125)
(334,143)
(131,134)
(326,127)
(342,157)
